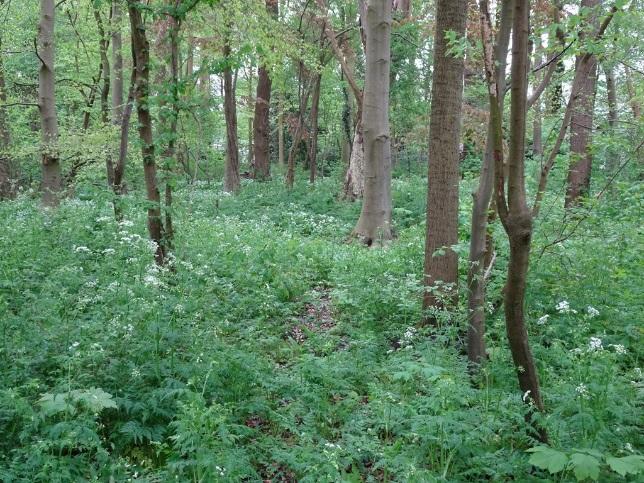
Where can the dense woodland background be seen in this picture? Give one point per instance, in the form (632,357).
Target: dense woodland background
(321,240)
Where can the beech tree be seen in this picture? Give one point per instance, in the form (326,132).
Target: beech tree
(374,224)
(581,122)
(5,134)
(441,262)
(51,172)
(231,173)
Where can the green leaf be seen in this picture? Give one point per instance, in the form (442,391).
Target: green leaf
(548,459)
(632,464)
(585,466)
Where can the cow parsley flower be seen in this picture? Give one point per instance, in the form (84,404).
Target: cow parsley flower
(582,390)
(563,307)
(543,319)
(82,250)
(619,349)
(592,311)
(595,344)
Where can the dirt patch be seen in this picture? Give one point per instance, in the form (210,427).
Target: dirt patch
(317,316)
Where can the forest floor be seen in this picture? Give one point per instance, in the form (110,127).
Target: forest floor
(273,350)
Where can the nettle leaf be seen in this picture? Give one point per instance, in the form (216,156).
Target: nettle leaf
(632,464)
(585,466)
(548,459)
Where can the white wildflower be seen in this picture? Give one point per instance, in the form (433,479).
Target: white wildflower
(595,344)
(136,373)
(543,319)
(592,311)
(151,281)
(109,251)
(526,395)
(619,349)
(126,223)
(628,447)
(74,346)
(179,309)
(82,250)
(582,390)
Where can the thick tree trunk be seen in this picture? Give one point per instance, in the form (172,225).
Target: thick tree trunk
(261,123)
(581,130)
(443,173)
(313,146)
(51,172)
(141,59)
(231,174)
(117,63)
(479,243)
(261,126)
(374,224)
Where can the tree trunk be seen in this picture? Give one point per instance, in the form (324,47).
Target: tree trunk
(537,130)
(231,174)
(443,173)
(555,100)
(280,134)
(141,59)
(632,96)
(6,190)
(51,172)
(261,123)
(315,105)
(119,168)
(479,243)
(354,178)
(374,224)
(297,138)
(117,63)
(581,130)
(261,126)
(611,94)
(103,43)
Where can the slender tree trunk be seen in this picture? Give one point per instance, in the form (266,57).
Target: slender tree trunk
(443,173)
(537,130)
(141,59)
(632,96)
(581,130)
(103,43)
(6,190)
(555,100)
(190,59)
(87,116)
(374,224)
(231,174)
(297,138)
(280,134)
(480,244)
(611,94)
(51,172)
(119,168)
(315,104)
(117,63)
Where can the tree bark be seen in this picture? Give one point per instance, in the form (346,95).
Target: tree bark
(231,174)
(51,171)
(313,146)
(297,138)
(443,173)
(103,43)
(119,168)
(479,249)
(6,190)
(632,96)
(513,211)
(261,123)
(141,59)
(280,134)
(117,63)
(555,99)
(581,129)
(374,224)
(611,94)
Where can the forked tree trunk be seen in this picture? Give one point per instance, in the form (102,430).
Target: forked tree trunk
(443,173)
(581,130)
(313,146)
(231,174)
(261,123)
(479,249)
(297,138)
(513,211)
(374,224)
(141,59)
(51,172)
